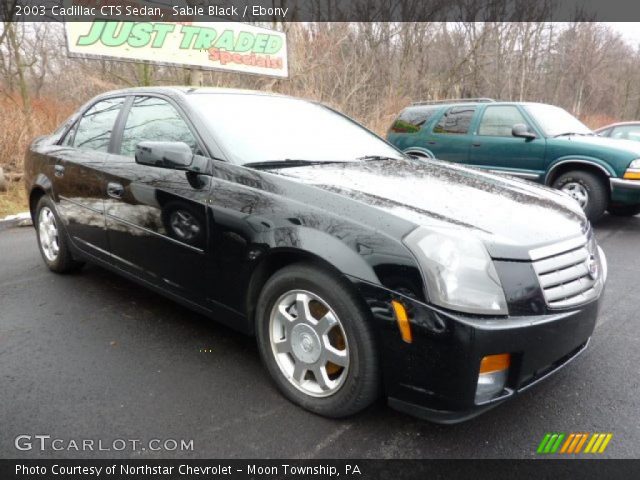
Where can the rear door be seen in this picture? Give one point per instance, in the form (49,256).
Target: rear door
(494,147)
(451,136)
(77,181)
(156,217)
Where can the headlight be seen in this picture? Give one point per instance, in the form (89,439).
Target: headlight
(633,171)
(458,272)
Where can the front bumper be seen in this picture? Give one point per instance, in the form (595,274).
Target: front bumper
(625,191)
(435,377)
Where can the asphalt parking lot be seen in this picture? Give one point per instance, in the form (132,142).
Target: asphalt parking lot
(94,356)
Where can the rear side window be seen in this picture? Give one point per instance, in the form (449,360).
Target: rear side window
(154,119)
(498,121)
(64,126)
(93,132)
(412,119)
(456,120)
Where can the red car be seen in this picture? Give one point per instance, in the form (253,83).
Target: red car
(622,130)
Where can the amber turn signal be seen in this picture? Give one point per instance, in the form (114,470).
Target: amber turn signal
(403,321)
(631,175)
(494,363)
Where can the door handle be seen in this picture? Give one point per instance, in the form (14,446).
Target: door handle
(115,190)
(476,144)
(431,142)
(59,170)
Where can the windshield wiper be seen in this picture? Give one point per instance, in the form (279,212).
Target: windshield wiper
(564,134)
(374,158)
(289,162)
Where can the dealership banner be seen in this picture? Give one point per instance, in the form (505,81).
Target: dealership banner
(230,46)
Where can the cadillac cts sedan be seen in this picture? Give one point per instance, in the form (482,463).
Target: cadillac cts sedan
(361,271)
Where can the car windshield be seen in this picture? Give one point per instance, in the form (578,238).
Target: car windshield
(262,128)
(556,121)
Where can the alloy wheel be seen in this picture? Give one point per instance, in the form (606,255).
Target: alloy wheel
(48,234)
(184,225)
(578,192)
(309,343)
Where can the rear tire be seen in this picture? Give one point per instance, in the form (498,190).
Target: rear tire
(588,190)
(624,210)
(52,238)
(298,349)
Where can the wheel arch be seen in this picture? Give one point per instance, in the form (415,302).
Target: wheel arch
(419,151)
(41,186)
(564,165)
(275,260)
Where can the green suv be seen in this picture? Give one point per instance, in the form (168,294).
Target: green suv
(534,141)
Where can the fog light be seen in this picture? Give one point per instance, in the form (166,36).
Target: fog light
(492,377)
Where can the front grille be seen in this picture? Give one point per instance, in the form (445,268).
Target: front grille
(565,278)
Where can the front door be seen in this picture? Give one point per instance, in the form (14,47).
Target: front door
(156,217)
(494,147)
(77,179)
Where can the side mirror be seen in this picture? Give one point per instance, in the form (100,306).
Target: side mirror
(175,155)
(522,131)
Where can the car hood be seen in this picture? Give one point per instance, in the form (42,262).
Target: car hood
(512,216)
(630,147)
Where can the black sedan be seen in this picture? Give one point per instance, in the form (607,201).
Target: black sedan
(360,270)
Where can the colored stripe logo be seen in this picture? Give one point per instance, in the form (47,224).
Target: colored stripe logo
(574,443)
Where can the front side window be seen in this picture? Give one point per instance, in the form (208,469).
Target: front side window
(154,119)
(498,121)
(93,132)
(456,120)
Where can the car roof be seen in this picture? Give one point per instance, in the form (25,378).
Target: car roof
(416,106)
(186,90)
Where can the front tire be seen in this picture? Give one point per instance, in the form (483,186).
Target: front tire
(624,210)
(316,341)
(184,223)
(52,239)
(587,189)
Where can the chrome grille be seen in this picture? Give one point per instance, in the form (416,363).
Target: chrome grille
(566,279)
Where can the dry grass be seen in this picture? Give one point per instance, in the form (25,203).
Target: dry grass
(15,137)
(14,200)
(598,120)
